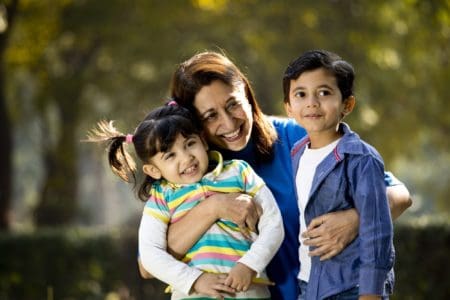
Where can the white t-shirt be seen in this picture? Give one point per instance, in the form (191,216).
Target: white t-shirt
(307,166)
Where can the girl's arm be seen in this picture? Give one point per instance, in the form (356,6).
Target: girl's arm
(270,233)
(238,208)
(266,244)
(155,259)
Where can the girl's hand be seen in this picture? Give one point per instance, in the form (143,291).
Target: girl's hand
(331,233)
(213,285)
(240,277)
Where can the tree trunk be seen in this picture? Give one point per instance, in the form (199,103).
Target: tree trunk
(5,128)
(58,204)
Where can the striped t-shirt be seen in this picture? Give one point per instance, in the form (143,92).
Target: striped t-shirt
(223,244)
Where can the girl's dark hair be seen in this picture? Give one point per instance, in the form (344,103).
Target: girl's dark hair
(316,59)
(204,68)
(156,133)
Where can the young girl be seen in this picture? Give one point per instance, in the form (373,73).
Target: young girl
(179,174)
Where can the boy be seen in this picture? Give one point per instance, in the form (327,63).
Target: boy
(335,170)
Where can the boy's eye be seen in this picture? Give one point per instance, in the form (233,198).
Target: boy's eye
(299,94)
(324,93)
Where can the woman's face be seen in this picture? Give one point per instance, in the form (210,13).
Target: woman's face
(226,115)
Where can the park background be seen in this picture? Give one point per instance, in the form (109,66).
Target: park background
(68,226)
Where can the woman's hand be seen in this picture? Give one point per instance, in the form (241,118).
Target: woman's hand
(235,207)
(331,233)
(239,209)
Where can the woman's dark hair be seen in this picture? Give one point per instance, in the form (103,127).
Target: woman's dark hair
(204,68)
(156,133)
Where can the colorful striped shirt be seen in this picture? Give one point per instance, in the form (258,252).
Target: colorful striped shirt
(218,250)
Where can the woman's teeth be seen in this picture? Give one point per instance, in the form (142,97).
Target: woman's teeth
(232,134)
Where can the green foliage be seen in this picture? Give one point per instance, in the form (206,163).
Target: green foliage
(75,62)
(84,264)
(71,264)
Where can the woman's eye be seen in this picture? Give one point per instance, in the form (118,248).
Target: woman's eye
(232,105)
(210,117)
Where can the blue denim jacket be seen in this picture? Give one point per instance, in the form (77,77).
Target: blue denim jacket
(351,176)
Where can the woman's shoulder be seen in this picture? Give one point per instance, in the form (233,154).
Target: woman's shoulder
(287,129)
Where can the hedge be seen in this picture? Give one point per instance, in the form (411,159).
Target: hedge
(92,264)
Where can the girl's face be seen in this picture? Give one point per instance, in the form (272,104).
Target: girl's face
(316,103)
(185,162)
(226,115)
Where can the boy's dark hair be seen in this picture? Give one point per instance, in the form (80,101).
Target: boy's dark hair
(156,133)
(316,59)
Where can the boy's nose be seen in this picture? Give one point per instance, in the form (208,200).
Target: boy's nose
(312,101)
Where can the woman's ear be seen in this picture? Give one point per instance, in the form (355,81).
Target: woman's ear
(349,104)
(152,171)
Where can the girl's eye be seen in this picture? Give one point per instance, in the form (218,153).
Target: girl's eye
(168,156)
(191,143)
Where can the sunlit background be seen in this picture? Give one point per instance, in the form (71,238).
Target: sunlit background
(66,64)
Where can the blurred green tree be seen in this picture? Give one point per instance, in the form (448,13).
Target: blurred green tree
(92,59)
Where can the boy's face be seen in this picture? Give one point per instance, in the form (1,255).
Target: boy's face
(185,162)
(315,102)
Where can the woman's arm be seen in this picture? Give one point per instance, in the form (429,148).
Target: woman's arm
(332,232)
(399,199)
(238,208)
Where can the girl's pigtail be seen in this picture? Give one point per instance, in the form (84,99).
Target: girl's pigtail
(122,164)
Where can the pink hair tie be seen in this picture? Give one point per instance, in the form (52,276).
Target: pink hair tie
(172,103)
(129,138)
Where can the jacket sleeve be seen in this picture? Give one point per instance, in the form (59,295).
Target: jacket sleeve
(375,228)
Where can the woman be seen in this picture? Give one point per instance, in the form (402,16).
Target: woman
(220,95)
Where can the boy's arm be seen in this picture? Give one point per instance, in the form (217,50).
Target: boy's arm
(375,224)
(270,235)
(332,232)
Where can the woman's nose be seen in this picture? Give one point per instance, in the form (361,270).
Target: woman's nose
(227,121)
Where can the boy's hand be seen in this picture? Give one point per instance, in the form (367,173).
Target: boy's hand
(212,285)
(240,277)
